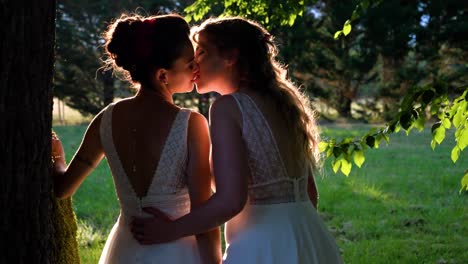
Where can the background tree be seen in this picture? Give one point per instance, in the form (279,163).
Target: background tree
(390,29)
(331,70)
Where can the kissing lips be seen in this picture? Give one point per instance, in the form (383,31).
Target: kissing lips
(195,77)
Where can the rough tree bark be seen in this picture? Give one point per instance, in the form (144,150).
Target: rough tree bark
(26,70)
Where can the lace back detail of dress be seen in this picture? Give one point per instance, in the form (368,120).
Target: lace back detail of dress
(167,190)
(269,182)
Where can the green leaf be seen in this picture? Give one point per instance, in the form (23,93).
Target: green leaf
(336,151)
(394,127)
(397,128)
(463,139)
(407,131)
(345,148)
(347,140)
(370,141)
(363,145)
(346,167)
(329,152)
(292,18)
(453,110)
(337,34)
(228,3)
(359,158)
(420,122)
(427,96)
(455,154)
(438,134)
(458,117)
(446,123)
(347,28)
(365,4)
(464,182)
(387,138)
(433,144)
(336,165)
(406,120)
(355,15)
(322,146)
(435,126)
(378,138)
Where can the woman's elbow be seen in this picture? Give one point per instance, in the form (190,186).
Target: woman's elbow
(235,206)
(61,192)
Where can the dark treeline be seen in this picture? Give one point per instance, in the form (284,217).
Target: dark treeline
(393,46)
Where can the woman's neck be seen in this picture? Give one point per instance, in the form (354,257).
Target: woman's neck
(245,89)
(229,83)
(228,87)
(152,94)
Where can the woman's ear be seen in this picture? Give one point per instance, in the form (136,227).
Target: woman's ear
(161,76)
(231,57)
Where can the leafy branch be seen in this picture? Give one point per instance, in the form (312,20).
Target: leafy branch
(412,115)
(360,8)
(421,101)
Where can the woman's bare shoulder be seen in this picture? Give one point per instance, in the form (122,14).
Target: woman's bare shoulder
(225,105)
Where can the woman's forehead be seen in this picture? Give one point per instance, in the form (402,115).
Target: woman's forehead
(187,53)
(203,41)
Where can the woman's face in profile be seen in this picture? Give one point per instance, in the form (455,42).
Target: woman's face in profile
(211,65)
(182,74)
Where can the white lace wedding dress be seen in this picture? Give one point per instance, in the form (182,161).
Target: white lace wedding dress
(168,192)
(279,224)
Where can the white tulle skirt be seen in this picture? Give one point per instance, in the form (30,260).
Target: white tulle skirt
(278,234)
(122,248)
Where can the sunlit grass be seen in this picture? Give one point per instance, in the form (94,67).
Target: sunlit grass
(371,191)
(402,206)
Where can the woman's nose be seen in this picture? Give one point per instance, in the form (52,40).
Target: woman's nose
(196,67)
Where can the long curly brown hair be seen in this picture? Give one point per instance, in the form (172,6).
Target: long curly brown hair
(260,71)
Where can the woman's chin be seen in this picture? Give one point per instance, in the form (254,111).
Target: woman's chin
(201,89)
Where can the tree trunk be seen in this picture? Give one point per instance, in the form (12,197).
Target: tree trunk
(346,95)
(344,108)
(391,85)
(388,70)
(26,67)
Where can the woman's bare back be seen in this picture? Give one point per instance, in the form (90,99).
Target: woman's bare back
(140,128)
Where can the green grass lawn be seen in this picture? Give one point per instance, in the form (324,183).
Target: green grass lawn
(402,206)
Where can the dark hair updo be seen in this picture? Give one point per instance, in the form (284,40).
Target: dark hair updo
(140,45)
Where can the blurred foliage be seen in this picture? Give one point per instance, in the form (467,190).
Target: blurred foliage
(269,13)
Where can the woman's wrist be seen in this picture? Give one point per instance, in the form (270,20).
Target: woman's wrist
(178,228)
